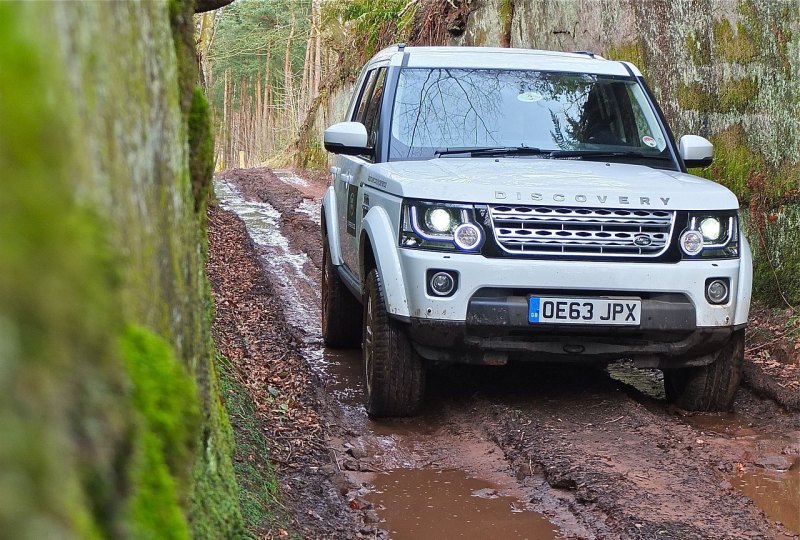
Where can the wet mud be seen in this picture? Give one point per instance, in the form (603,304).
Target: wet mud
(571,452)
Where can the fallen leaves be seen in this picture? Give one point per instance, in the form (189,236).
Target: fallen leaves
(264,353)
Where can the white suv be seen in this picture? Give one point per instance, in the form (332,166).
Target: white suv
(495,204)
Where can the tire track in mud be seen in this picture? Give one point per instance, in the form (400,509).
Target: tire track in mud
(598,458)
(439,440)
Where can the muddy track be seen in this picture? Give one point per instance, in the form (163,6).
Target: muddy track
(573,452)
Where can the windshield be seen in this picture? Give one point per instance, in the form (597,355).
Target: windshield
(438,110)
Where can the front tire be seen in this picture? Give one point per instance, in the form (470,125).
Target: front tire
(711,387)
(341,312)
(395,376)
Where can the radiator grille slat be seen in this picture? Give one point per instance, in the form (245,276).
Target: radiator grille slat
(548,230)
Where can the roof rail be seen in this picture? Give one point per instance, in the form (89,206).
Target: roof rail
(401,47)
(589,54)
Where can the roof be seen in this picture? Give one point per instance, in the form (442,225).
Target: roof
(502,58)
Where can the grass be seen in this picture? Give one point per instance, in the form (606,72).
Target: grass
(259,496)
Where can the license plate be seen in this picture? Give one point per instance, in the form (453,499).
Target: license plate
(560,310)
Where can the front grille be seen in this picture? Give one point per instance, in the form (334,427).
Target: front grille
(581,232)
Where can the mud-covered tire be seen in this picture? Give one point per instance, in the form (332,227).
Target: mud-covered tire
(395,375)
(341,311)
(711,387)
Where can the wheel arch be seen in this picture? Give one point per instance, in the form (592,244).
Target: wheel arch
(745,283)
(328,228)
(378,250)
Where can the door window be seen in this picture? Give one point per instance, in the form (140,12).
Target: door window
(363,101)
(373,112)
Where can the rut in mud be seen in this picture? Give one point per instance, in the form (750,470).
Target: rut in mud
(526,451)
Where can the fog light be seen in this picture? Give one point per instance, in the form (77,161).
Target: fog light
(467,236)
(442,283)
(717,291)
(691,242)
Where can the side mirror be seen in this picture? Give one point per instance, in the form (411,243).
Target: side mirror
(696,151)
(348,138)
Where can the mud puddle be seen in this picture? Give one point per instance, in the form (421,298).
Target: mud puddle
(769,471)
(445,504)
(777,493)
(345,376)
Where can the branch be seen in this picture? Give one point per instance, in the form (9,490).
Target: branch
(201,6)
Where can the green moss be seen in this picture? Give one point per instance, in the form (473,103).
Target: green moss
(310,153)
(699,50)
(62,397)
(260,496)
(770,35)
(213,510)
(505,12)
(695,97)
(776,263)
(733,46)
(215,500)
(631,51)
(733,96)
(734,161)
(201,149)
(181,17)
(98,229)
(155,511)
(738,95)
(164,394)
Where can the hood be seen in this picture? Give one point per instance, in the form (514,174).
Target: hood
(562,182)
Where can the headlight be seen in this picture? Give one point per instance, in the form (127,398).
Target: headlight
(440,226)
(439,220)
(713,235)
(711,227)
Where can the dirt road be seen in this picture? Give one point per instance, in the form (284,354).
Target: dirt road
(526,451)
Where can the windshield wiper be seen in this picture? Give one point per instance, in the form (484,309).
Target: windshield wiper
(603,153)
(493,151)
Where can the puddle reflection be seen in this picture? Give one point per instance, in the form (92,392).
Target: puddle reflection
(777,493)
(345,375)
(647,381)
(444,504)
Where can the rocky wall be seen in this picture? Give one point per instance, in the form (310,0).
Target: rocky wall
(110,418)
(728,70)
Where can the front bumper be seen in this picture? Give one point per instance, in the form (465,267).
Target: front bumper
(459,342)
(488,312)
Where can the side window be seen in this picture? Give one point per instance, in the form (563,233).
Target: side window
(363,100)
(373,113)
